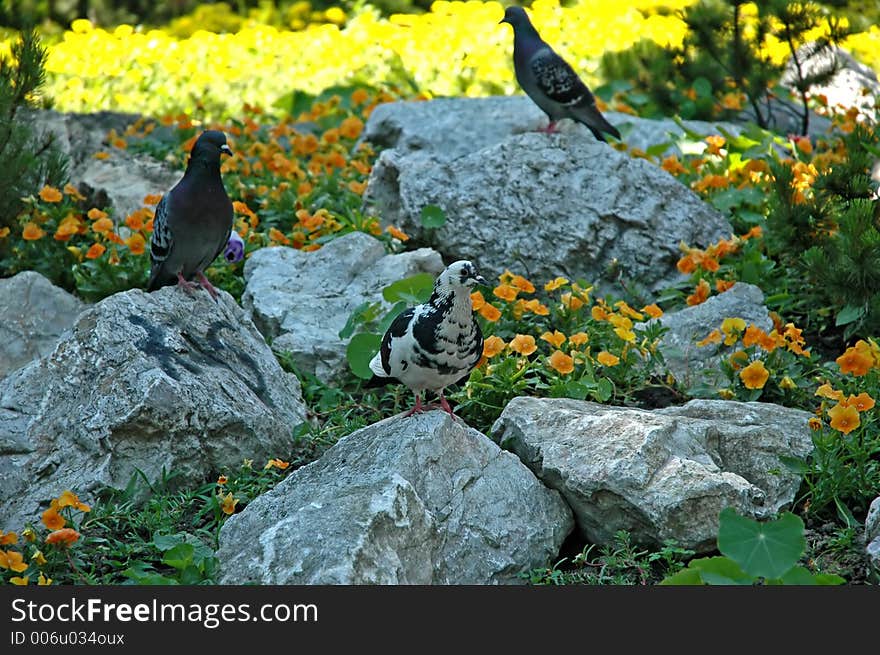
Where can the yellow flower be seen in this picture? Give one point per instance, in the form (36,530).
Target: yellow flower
(536,307)
(578,338)
(727,394)
(29,535)
(12,560)
(628,311)
(227,503)
(787,383)
(570,301)
(50,194)
(554,284)
(493,346)
(39,558)
(732,328)
(815,423)
(95,214)
(20,581)
(600,313)
(524,344)
(43,581)
(561,362)
(555,338)
(844,418)
(754,376)
(625,334)
(607,359)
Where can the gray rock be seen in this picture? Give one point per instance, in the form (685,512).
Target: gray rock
(420,500)
(125,177)
(33,315)
(142,382)
(696,365)
(872,534)
(301,300)
(663,474)
(548,205)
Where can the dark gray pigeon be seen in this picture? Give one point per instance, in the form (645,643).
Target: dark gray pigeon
(430,346)
(550,81)
(193,220)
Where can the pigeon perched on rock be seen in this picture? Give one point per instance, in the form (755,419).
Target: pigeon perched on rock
(430,346)
(550,81)
(193,220)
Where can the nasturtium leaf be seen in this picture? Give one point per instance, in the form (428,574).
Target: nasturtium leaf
(766,549)
(433,216)
(179,557)
(684,577)
(721,571)
(361,349)
(414,289)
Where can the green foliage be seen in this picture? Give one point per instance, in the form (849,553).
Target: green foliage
(620,562)
(754,553)
(433,216)
(27,160)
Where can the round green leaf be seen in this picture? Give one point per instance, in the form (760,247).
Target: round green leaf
(361,349)
(721,571)
(414,289)
(433,216)
(684,577)
(767,549)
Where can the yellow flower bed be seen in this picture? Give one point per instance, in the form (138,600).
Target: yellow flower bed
(458,48)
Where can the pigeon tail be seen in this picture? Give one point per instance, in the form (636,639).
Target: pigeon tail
(590,116)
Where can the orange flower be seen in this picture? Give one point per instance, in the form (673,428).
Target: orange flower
(400,235)
(153,199)
(69,226)
(815,423)
(19,581)
(50,194)
(8,538)
(277,463)
(64,536)
(522,284)
(715,143)
(95,214)
(723,285)
(136,244)
(570,301)
(605,358)
(687,264)
(854,361)
(672,166)
(277,236)
(555,338)
(12,560)
(754,376)
(32,232)
(102,225)
(52,519)
(222,480)
(101,155)
(70,499)
(600,313)
(73,192)
(4,232)
(843,418)
(554,284)
(825,391)
(713,337)
(493,346)
(95,251)
(351,127)
(506,292)
(359,97)
(135,221)
(524,344)
(752,335)
(578,339)
(561,362)
(536,307)
(700,294)
(490,312)
(653,310)
(357,187)
(477,300)
(863,402)
(227,503)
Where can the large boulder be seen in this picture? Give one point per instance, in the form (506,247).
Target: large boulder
(301,300)
(561,204)
(418,500)
(663,474)
(695,365)
(872,535)
(34,313)
(124,177)
(150,382)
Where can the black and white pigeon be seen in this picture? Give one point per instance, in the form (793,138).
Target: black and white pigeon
(193,221)
(430,346)
(550,81)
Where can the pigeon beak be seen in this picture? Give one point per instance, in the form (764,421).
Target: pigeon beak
(503,20)
(481,280)
(226,150)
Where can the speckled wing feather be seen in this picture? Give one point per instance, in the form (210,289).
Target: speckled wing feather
(161,241)
(557,80)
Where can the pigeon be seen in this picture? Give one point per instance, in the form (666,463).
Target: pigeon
(550,81)
(430,346)
(193,221)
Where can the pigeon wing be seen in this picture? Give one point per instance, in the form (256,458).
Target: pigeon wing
(160,242)
(557,80)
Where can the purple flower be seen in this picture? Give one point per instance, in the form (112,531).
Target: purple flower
(234,248)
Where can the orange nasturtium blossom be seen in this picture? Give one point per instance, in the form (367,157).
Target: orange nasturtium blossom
(713,337)
(863,402)
(396,233)
(554,284)
(605,358)
(754,376)
(672,166)
(855,361)
(578,338)
(136,244)
(561,362)
(490,312)
(52,519)
(653,310)
(506,292)
(493,346)
(64,536)
(8,538)
(844,418)
(477,300)
(227,503)
(70,499)
(700,294)
(555,338)
(50,194)
(12,560)
(73,192)
(102,225)
(522,284)
(524,344)
(32,232)
(95,251)
(95,214)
